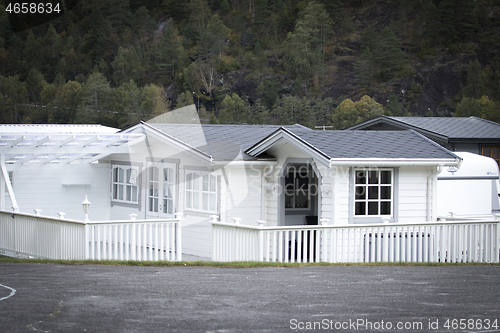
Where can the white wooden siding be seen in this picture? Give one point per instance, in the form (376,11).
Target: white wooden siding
(57,188)
(413,194)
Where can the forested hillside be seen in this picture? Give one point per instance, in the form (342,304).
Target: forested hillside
(318,63)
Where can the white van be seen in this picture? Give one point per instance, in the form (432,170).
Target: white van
(471,190)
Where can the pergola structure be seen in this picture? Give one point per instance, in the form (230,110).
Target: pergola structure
(57,144)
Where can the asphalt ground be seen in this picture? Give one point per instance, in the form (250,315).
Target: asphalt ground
(85,298)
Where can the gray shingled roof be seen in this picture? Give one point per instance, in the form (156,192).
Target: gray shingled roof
(374,144)
(226,141)
(455,128)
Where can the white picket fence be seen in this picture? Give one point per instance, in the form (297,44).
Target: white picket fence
(51,238)
(448,241)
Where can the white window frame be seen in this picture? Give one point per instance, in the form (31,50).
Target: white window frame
(132,173)
(201,192)
(362,192)
(160,194)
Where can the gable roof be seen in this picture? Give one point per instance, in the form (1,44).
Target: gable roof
(360,145)
(251,142)
(221,142)
(446,128)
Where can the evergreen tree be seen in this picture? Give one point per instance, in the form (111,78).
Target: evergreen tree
(126,66)
(233,110)
(154,102)
(184,99)
(475,87)
(466,19)
(67,101)
(143,23)
(468,107)
(430,21)
(388,54)
(170,53)
(95,101)
(225,8)
(448,21)
(259,22)
(368,38)
(364,68)
(215,37)
(179,10)
(35,83)
(31,51)
(200,15)
(393,107)
(305,46)
(15,99)
(259,113)
(126,104)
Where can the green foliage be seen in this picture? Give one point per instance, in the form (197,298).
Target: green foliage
(170,55)
(365,70)
(14,98)
(388,54)
(350,113)
(184,99)
(292,110)
(233,110)
(393,107)
(475,87)
(96,99)
(214,37)
(468,107)
(307,43)
(483,108)
(285,55)
(126,66)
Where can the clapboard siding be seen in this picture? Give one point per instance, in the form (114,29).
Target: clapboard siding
(246,193)
(62,188)
(413,194)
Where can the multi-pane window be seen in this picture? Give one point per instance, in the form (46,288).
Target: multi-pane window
(493,152)
(168,190)
(373,192)
(161,190)
(124,184)
(297,190)
(153,189)
(201,192)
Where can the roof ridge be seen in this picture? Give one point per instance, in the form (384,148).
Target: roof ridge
(486,120)
(434,143)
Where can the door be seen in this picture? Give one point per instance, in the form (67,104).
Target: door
(160,194)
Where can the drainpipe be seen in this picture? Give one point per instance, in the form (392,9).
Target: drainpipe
(430,192)
(263,214)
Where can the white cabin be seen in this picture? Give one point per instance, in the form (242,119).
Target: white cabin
(283,175)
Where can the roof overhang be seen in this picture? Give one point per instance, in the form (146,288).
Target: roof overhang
(63,148)
(151,131)
(281,136)
(399,124)
(380,162)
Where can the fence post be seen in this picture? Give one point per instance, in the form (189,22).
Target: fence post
(261,224)
(86,241)
(178,236)
(497,240)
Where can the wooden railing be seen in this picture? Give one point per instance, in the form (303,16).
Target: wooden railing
(52,238)
(470,241)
